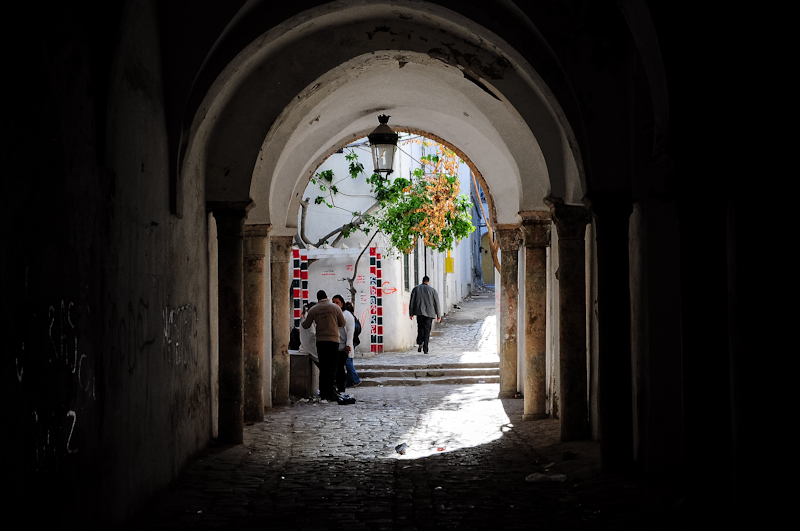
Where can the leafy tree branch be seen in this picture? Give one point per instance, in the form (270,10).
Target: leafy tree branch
(427,206)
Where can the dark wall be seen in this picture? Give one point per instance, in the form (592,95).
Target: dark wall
(105,315)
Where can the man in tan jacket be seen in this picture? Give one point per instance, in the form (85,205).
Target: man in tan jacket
(328,318)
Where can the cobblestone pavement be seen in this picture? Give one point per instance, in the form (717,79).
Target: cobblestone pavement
(322,466)
(465,335)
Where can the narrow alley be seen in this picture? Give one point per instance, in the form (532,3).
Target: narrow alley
(323,466)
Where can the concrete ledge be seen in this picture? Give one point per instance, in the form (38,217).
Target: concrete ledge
(425,373)
(303,375)
(374,382)
(436,366)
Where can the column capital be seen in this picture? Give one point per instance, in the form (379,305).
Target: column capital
(255,240)
(509,239)
(281,248)
(259,230)
(535,215)
(570,220)
(536,232)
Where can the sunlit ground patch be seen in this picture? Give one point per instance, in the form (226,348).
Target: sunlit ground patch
(467,417)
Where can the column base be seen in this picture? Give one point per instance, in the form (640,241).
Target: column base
(506,394)
(535,416)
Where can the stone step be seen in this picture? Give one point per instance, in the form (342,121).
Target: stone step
(417,367)
(425,373)
(447,380)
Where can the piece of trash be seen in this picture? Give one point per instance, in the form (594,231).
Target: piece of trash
(440,449)
(199,512)
(568,454)
(543,478)
(518,395)
(283,477)
(401,449)
(438,488)
(548,465)
(481,381)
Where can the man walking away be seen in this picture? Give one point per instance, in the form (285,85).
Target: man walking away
(328,317)
(425,305)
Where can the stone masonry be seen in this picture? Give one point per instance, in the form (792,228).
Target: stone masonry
(317,465)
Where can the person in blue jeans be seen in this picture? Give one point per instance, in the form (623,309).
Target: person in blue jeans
(352,376)
(346,348)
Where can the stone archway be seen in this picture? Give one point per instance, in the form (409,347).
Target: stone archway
(266,124)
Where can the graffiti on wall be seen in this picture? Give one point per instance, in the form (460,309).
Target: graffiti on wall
(60,373)
(388,289)
(180,334)
(135,332)
(55,374)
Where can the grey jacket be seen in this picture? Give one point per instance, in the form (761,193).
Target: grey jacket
(424,301)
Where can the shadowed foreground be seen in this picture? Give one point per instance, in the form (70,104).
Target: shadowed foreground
(334,467)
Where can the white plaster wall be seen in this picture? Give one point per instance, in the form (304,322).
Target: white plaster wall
(331,269)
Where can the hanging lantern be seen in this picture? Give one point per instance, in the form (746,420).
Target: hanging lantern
(383,143)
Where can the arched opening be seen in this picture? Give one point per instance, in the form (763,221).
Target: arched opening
(281,107)
(482,96)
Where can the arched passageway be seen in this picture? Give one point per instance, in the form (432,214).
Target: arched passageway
(157,159)
(481,97)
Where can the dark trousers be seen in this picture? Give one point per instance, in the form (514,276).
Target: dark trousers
(328,353)
(424,331)
(341,371)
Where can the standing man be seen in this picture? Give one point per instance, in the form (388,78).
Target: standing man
(328,318)
(425,305)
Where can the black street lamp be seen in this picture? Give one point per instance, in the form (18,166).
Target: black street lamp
(383,143)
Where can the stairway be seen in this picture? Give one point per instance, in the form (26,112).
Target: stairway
(377,374)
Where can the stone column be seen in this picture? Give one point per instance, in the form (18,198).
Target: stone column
(571,225)
(537,238)
(280,255)
(509,240)
(255,247)
(230,218)
(614,377)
